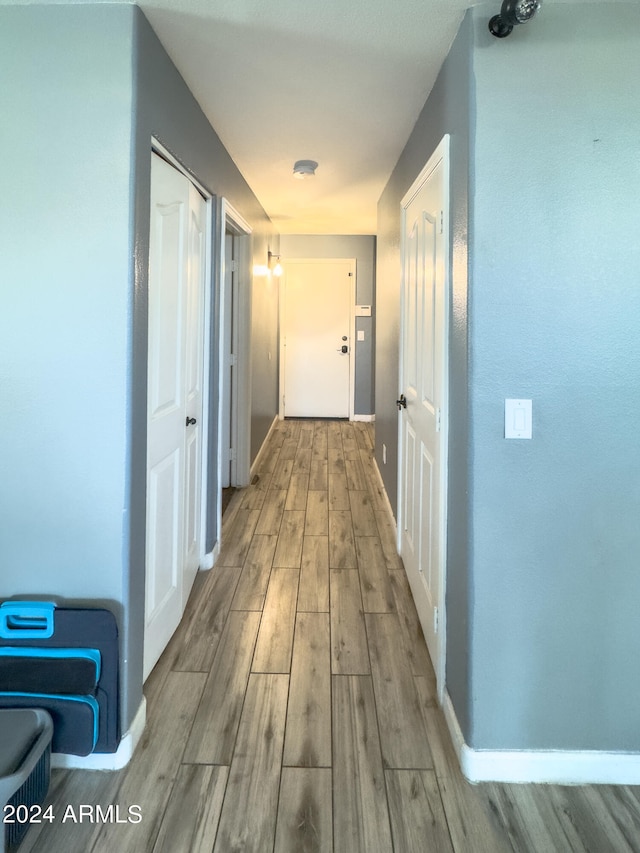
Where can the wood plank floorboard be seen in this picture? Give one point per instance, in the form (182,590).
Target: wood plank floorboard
(340,743)
(308,735)
(305,819)
(297,493)
(289,549)
(275,638)
(377,592)
(360,807)
(213,732)
(342,547)
(251,588)
(418,821)
(403,734)
(270,518)
(318,474)
(313,593)
(349,649)
(317,521)
(249,811)
(193,830)
(148,781)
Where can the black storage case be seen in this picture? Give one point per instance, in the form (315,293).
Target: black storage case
(64,660)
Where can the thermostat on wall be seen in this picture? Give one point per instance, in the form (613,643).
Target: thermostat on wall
(363,310)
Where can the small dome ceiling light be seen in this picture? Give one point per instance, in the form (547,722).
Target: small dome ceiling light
(512,13)
(304,169)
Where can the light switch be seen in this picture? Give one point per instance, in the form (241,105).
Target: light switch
(518,419)
(360,334)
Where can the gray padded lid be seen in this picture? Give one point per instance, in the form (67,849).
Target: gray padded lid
(19,730)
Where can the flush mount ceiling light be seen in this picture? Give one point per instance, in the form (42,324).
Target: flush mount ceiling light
(512,13)
(304,169)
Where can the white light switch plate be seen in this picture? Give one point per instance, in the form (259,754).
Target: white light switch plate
(360,334)
(518,419)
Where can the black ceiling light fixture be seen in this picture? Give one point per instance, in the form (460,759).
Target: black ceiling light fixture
(512,13)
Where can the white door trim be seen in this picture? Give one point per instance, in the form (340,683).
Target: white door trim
(441,153)
(352,331)
(231,220)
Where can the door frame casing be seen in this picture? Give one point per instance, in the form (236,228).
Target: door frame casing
(352,329)
(232,221)
(440,154)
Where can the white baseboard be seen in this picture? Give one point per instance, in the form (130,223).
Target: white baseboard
(107,760)
(262,451)
(386,499)
(207,561)
(553,767)
(365,418)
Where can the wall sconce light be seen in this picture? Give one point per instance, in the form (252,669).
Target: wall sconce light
(304,168)
(273,262)
(512,13)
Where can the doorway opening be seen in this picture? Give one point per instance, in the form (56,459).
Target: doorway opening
(234,356)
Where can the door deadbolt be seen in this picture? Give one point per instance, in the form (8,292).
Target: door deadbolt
(402,402)
(190,421)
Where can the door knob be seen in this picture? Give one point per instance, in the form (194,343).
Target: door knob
(402,402)
(190,421)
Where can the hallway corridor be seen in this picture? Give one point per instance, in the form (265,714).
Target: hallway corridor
(295,710)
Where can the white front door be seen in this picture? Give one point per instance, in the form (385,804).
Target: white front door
(423,384)
(177,261)
(316,338)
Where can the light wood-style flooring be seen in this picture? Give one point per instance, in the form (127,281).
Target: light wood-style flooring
(295,708)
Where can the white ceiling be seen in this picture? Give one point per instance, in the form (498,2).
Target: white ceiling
(341,82)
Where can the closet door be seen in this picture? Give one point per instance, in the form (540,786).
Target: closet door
(177,262)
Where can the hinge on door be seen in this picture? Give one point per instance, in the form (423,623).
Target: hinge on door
(435,620)
(232,454)
(442,221)
(233,266)
(233,360)
(438,419)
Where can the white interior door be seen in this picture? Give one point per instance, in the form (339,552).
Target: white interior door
(194,368)
(229,360)
(316,338)
(177,263)
(423,382)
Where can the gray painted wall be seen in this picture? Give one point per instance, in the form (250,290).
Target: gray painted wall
(543,647)
(66,303)
(555,266)
(91,86)
(361,248)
